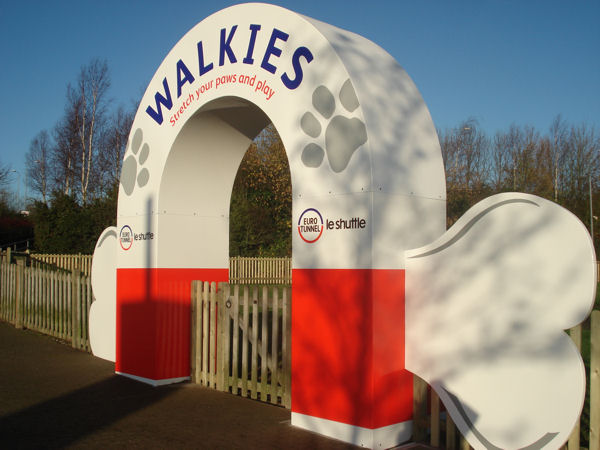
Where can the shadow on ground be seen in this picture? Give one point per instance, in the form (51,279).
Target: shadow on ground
(64,420)
(52,396)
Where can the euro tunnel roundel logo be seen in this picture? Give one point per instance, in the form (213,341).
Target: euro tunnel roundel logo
(310,225)
(126,237)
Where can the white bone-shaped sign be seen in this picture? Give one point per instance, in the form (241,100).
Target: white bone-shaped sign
(103,315)
(486,306)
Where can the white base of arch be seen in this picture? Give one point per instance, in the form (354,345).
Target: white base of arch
(154,382)
(384,437)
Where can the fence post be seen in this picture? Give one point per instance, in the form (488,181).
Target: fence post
(19,294)
(199,331)
(220,337)
(595,382)
(236,339)
(434,438)
(450,433)
(205,331)
(575,334)
(75,302)
(224,307)
(194,333)
(419,409)
(212,340)
(287,346)
(254,359)
(245,320)
(274,346)
(264,335)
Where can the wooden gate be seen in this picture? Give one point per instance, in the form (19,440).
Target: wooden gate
(241,340)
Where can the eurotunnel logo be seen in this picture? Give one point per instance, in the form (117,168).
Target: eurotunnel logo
(311,225)
(127,236)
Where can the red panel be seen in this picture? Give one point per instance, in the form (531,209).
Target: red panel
(347,338)
(153,320)
(135,322)
(392,383)
(331,345)
(348,346)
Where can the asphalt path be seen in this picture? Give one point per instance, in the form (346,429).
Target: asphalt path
(52,396)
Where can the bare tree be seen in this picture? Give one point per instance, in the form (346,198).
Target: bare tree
(558,134)
(500,162)
(87,101)
(545,170)
(64,159)
(114,143)
(563,165)
(525,159)
(465,151)
(4,175)
(37,164)
(515,159)
(89,140)
(581,167)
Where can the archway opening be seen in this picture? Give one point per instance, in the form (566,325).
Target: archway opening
(191,217)
(261,200)
(196,186)
(194,206)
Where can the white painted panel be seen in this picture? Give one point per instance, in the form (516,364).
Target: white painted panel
(193,211)
(103,312)
(486,306)
(384,437)
(194,242)
(408,221)
(405,151)
(346,244)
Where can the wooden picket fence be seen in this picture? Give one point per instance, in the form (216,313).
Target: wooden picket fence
(241,340)
(241,337)
(432,426)
(244,270)
(241,269)
(83,263)
(53,302)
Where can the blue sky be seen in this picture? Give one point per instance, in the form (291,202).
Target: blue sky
(500,62)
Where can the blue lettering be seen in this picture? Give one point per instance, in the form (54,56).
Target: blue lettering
(203,68)
(161,100)
(299,74)
(226,47)
(272,50)
(187,76)
(248,59)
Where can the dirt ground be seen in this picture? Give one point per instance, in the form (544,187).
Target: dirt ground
(52,396)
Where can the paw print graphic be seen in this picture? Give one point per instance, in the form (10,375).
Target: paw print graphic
(343,136)
(129,172)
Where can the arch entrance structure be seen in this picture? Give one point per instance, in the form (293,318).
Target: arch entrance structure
(366,172)
(368,185)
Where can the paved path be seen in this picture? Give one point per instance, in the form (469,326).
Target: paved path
(52,396)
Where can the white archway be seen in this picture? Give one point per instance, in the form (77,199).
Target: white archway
(367,184)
